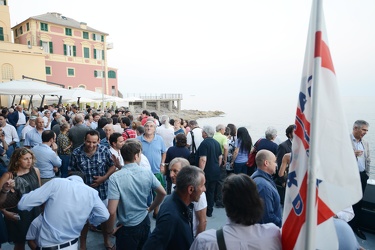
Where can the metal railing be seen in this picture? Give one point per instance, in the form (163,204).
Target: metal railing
(154,96)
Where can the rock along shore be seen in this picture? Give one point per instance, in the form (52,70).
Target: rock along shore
(184,114)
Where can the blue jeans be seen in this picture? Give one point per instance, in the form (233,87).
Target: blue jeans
(10,150)
(19,133)
(64,165)
(240,168)
(133,237)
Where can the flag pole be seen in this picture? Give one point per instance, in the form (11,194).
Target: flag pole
(311,206)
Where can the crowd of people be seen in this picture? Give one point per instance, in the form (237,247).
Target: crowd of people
(70,171)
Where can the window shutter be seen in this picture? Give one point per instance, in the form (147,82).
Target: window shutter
(94,53)
(95,73)
(50,48)
(65,50)
(74,51)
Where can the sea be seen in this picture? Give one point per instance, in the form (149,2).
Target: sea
(256,113)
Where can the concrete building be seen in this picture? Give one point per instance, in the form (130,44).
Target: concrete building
(56,49)
(17,59)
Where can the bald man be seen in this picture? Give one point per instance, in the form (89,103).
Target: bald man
(266,163)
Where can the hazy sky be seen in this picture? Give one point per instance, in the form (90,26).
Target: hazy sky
(248,47)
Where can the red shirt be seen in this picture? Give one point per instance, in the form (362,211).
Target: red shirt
(129,133)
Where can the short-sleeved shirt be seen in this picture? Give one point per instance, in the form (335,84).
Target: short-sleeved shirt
(131,186)
(153,151)
(33,138)
(46,160)
(221,139)
(129,133)
(211,149)
(96,165)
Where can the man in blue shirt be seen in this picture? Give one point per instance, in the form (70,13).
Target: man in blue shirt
(69,203)
(128,190)
(266,163)
(154,149)
(48,161)
(34,136)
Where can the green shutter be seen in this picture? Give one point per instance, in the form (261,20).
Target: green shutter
(65,50)
(74,51)
(93,37)
(1,34)
(102,54)
(94,53)
(50,47)
(95,73)
(48,70)
(86,52)
(102,38)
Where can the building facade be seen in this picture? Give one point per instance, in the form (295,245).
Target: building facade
(17,60)
(56,49)
(76,54)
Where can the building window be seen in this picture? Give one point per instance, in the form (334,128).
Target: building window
(7,72)
(70,50)
(44,26)
(68,31)
(113,90)
(99,54)
(111,74)
(70,72)
(3,2)
(48,70)
(70,87)
(16,32)
(86,52)
(21,32)
(47,46)
(1,34)
(85,35)
(97,37)
(82,86)
(27,26)
(102,38)
(98,74)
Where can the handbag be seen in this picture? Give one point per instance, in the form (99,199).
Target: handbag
(251,160)
(13,197)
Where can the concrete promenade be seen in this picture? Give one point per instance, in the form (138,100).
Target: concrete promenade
(95,239)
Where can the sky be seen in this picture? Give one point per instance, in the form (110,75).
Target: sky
(236,48)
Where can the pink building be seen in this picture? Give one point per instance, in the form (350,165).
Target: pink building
(76,54)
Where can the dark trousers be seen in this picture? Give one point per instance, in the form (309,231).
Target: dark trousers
(240,168)
(210,192)
(354,223)
(64,165)
(218,198)
(129,238)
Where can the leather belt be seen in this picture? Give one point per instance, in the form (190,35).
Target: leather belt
(59,246)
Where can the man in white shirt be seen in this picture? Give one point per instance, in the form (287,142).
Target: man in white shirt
(116,141)
(28,127)
(165,130)
(11,136)
(197,134)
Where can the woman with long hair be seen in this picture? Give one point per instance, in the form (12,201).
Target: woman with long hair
(27,178)
(243,145)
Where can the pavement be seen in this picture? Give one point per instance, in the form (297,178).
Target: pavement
(95,239)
